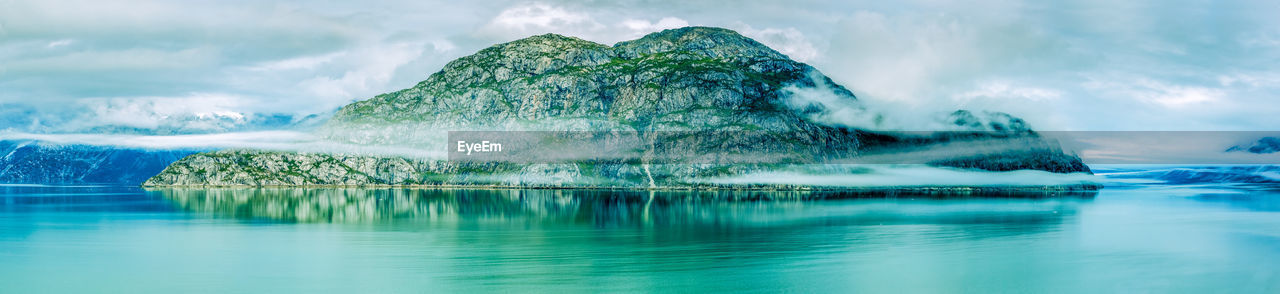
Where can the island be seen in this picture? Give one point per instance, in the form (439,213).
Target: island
(736,94)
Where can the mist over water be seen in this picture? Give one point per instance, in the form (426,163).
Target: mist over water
(913,175)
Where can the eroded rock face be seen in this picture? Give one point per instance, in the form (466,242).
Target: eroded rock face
(691,79)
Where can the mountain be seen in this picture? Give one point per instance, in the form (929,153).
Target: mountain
(35,162)
(714,89)
(1265,145)
(209,123)
(1195,175)
(1224,174)
(83,119)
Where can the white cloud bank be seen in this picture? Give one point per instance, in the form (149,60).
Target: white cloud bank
(1062,65)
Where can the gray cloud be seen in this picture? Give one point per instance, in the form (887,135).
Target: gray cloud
(1062,65)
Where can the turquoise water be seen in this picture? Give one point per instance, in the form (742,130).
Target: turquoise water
(129,240)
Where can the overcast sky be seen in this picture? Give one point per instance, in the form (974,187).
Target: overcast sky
(1062,65)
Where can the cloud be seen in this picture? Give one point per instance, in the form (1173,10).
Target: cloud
(1251,80)
(297,63)
(371,68)
(443,46)
(1004,90)
(137,59)
(189,114)
(540,16)
(1261,39)
(591,24)
(906,175)
(1177,95)
(266,140)
(60,43)
(1162,93)
(823,106)
(921,57)
(151,112)
(789,41)
(640,27)
(1029,58)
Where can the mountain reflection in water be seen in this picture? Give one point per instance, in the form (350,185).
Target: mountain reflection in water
(130,240)
(612,208)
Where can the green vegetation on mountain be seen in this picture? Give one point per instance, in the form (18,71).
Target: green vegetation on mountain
(696,79)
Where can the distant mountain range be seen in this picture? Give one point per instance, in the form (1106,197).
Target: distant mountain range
(34,162)
(28,119)
(1194,175)
(1265,145)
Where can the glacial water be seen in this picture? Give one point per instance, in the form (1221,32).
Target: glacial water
(1137,239)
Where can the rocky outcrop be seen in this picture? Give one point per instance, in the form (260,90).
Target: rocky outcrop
(699,80)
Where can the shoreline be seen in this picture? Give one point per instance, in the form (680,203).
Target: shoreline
(926,189)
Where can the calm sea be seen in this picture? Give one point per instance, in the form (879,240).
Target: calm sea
(85,239)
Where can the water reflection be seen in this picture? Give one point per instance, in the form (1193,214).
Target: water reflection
(1252,200)
(603,208)
(39,198)
(415,240)
(508,240)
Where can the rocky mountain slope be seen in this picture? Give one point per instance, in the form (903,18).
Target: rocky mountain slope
(704,81)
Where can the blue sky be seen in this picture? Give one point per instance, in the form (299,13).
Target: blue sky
(97,66)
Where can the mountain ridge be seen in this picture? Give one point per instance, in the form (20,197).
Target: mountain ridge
(696,79)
